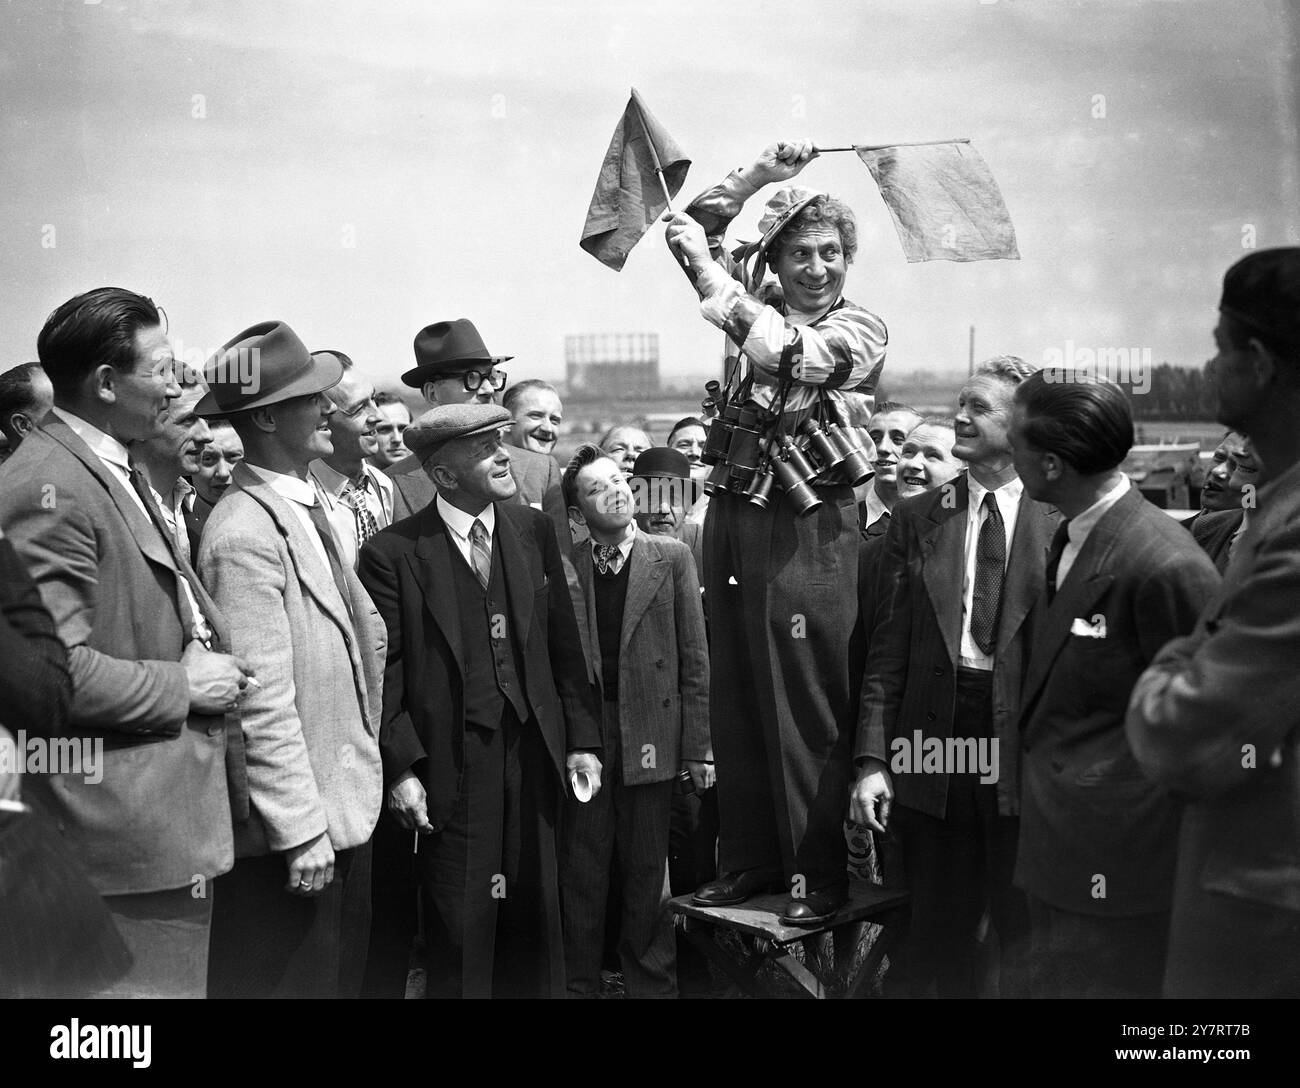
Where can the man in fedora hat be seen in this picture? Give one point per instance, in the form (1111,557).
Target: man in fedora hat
(153,679)
(487,704)
(293,916)
(783,587)
(454,366)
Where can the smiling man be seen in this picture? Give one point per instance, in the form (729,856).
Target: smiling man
(888,428)
(537,412)
(487,708)
(624,443)
(962,567)
(360,497)
(926,459)
(173,455)
(294,914)
(783,587)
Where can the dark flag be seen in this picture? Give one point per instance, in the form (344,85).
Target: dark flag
(943,200)
(628,197)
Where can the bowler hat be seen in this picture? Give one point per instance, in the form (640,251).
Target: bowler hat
(447,422)
(447,345)
(265,364)
(662,462)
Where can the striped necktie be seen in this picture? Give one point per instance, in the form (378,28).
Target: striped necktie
(355,497)
(480,552)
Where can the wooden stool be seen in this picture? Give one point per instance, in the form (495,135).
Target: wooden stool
(757,923)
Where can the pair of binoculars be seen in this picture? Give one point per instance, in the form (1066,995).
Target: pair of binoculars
(834,449)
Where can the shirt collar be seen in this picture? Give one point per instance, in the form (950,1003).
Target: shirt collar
(104,446)
(876,508)
(625,547)
(332,482)
(1012,489)
(303,492)
(1081,525)
(461,523)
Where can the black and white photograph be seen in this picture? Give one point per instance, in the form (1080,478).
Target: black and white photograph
(703,501)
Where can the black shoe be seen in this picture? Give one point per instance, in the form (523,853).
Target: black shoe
(814,908)
(732,888)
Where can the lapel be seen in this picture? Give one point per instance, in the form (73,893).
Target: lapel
(514,568)
(943,562)
(643,581)
(1035,524)
(314,575)
(147,535)
(432,566)
(586,568)
(1087,580)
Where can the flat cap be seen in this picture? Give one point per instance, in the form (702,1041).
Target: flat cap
(447,422)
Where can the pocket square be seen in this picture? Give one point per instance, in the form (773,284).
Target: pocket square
(1096,628)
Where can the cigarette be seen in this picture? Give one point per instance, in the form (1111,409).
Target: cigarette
(415,845)
(253,682)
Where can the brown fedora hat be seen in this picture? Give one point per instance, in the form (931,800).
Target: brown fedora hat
(265,364)
(447,345)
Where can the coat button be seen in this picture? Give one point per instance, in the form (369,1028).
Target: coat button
(930,716)
(938,670)
(668,702)
(660,662)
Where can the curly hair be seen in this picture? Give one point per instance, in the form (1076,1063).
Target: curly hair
(822,211)
(1010,368)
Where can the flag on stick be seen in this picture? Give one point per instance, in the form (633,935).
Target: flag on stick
(643,170)
(943,200)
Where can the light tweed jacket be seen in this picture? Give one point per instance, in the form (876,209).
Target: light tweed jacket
(311,730)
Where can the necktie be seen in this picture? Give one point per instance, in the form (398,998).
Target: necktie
(317,514)
(1054,553)
(355,496)
(191,618)
(480,552)
(606,556)
(990,569)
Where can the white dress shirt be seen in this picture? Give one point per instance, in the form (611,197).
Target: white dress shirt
(379,501)
(876,508)
(1008,499)
(460,523)
(115,457)
(301,495)
(1078,527)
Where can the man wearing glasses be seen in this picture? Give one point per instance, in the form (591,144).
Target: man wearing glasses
(359,497)
(454,366)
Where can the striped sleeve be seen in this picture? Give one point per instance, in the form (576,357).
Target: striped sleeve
(843,350)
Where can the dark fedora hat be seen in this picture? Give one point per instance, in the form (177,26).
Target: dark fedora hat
(265,364)
(447,345)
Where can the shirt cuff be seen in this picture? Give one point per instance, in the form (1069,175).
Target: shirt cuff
(721,295)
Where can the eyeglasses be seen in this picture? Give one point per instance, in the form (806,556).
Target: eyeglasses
(474,378)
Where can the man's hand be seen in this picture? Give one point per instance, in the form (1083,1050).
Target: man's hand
(311,866)
(686,238)
(702,774)
(216,680)
(588,764)
(408,803)
(781,161)
(872,796)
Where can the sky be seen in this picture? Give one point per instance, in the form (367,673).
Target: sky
(362,169)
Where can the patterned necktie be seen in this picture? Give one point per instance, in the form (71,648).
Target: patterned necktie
(317,514)
(1054,553)
(606,556)
(990,570)
(480,552)
(355,497)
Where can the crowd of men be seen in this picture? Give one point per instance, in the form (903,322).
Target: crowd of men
(374,690)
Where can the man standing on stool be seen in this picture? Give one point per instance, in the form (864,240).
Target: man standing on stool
(782,589)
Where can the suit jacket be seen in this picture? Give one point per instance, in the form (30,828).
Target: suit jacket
(407,569)
(312,729)
(663,657)
(536,474)
(1213,532)
(1087,810)
(162,813)
(1212,709)
(915,649)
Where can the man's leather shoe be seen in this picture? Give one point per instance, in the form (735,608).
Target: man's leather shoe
(732,888)
(814,908)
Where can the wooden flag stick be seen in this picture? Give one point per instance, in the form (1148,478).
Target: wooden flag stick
(654,151)
(882,147)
